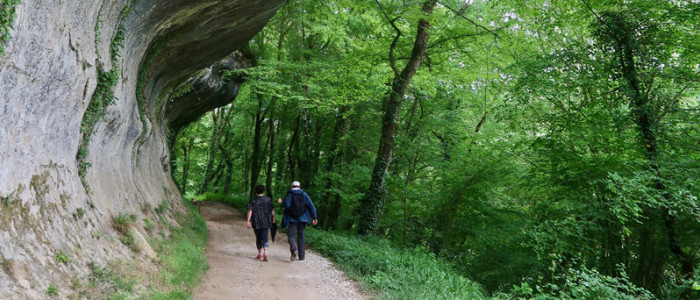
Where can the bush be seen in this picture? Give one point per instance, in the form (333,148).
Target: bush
(583,284)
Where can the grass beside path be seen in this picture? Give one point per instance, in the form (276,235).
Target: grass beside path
(393,273)
(181,264)
(182,258)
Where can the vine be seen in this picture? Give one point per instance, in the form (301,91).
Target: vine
(103,95)
(7,16)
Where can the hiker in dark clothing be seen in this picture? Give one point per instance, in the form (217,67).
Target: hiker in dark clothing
(261,215)
(299,211)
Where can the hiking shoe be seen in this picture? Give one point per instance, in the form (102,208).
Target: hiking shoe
(293,257)
(264,257)
(260,257)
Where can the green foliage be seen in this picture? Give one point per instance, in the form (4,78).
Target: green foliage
(394,273)
(678,288)
(148,224)
(209,196)
(121,223)
(78,213)
(62,257)
(239,202)
(584,284)
(182,258)
(52,290)
(102,97)
(7,17)
(129,239)
(111,284)
(162,207)
(181,264)
(519,143)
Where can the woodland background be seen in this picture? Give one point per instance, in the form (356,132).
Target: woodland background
(534,145)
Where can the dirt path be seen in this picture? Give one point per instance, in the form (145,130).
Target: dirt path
(234,273)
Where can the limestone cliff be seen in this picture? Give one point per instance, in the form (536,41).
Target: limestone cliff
(84,88)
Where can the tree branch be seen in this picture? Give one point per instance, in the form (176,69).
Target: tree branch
(461,14)
(392,57)
(593,12)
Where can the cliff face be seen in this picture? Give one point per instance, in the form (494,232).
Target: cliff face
(83,89)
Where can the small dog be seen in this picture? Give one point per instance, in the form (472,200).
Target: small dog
(197,204)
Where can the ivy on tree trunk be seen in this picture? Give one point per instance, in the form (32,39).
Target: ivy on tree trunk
(370,207)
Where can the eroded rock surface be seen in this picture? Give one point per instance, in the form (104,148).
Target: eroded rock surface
(59,194)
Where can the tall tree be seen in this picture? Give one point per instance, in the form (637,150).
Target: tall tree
(220,118)
(630,39)
(370,207)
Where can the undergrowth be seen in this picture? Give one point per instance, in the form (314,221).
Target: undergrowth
(121,224)
(109,282)
(391,272)
(182,258)
(238,202)
(181,264)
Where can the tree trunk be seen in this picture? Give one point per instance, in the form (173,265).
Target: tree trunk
(221,118)
(331,203)
(291,162)
(271,154)
(186,151)
(371,204)
(228,170)
(256,156)
(646,121)
(246,155)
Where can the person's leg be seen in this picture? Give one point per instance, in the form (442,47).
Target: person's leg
(265,243)
(292,239)
(301,240)
(258,242)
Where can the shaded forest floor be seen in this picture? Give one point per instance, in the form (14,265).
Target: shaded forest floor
(234,272)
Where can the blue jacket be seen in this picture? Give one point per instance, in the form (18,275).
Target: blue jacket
(307,217)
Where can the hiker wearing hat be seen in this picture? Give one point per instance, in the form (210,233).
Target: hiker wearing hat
(299,211)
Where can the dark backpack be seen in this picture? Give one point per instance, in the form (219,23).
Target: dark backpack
(298,207)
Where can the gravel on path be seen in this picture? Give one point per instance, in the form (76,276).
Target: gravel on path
(235,273)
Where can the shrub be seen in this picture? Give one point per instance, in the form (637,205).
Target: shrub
(582,284)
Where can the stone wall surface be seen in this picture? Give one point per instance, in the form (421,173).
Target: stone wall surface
(48,76)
